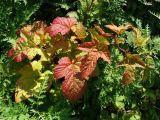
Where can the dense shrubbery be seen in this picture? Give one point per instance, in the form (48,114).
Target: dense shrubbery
(126,89)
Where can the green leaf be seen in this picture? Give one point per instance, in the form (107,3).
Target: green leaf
(120,102)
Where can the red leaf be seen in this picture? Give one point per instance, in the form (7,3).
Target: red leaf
(85,47)
(101,31)
(73,88)
(88,46)
(65,60)
(105,56)
(88,64)
(128,75)
(94,46)
(132,59)
(19,53)
(11,52)
(65,68)
(61,25)
(20,57)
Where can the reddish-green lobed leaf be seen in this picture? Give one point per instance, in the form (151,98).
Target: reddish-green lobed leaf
(19,53)
(132,59)
(128,75)
(73,88)
(65,68)
(61,25)
(88,64)
(85,47)
(79,30)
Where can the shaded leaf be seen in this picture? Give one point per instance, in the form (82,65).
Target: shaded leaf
(88,46)
(132,59)
(30,82)
(73,88)
(101,39)
(88,64)
(128,75)
(10,52)
(56,43)
(101,31)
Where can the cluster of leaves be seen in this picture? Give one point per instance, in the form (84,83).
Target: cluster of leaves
(66,39)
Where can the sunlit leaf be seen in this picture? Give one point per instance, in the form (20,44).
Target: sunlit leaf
(32,52)
(120,29)
(20,57)
(150,62)
(65,68)
(105,55)
(79,30)
(101,50)
(140,41)
(120,102)
(30,82)
(61,25)
(25,32)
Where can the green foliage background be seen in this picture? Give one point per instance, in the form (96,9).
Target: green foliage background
(105,98)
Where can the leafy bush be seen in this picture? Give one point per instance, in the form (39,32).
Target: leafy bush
(73,67)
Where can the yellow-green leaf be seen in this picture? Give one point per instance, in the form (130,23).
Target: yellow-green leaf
(101,39)
(57,42)
(140,41)
(31,80)
(32,52)
(79,30)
